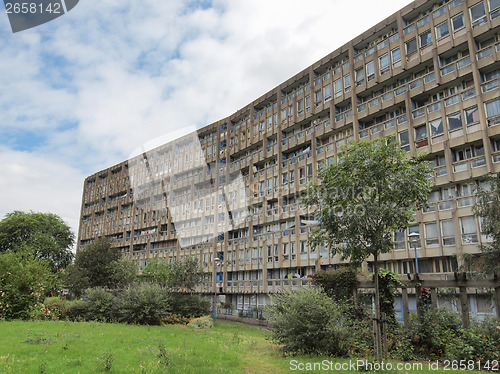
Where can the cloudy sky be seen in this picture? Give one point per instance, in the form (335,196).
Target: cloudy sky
(80,93)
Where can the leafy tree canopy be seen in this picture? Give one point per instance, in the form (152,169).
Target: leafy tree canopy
(488,207)
(179,276)
(99,265)
(24,282)
(45,235)
(373,190)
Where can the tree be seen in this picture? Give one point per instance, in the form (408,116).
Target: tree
(24,283)
(373,190)
(45,235)
(98,264)
(178,276)
(488,208)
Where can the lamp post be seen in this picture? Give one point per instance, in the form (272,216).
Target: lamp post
(413,237)
(215,288)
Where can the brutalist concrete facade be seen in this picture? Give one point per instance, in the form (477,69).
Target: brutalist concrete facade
(232,190)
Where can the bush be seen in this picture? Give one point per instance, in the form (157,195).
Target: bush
(189,305)
(144,304)
(308,321)
(201,323)
(339,284)
(99,305)
(77,310)
(175,319)
(440,335)
(24,283)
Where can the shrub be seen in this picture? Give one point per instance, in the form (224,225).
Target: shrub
(24,283)
(175,319)
(99,305)
(439,334)
(189,305)
(77,310)
(53,308)
(201,323)
(308,321)
(339,284)
(144,304)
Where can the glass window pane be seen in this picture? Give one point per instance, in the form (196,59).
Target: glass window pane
(493,108)
(431,230)
(384,63)
(370,70)
(420,133)
(425,38)
(396,55)
(468,225)
(442,30)
(477,11)
(454,121)
(471,115)
(411,46)
(457,22)
(436,127)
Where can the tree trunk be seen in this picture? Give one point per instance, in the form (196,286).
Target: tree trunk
(378,347)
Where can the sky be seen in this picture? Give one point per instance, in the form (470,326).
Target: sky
(80,93)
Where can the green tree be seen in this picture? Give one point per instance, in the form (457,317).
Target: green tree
(373,190)
(99,265)
(44,235)
(488,208)
(178,276)
(24,283)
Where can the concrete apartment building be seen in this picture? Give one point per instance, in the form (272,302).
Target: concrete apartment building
(232,190)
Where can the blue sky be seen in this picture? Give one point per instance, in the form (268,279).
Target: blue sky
(80,93)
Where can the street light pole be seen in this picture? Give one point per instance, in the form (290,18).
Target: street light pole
(215,288)
(415,237)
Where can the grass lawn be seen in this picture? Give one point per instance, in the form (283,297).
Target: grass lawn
(69,347)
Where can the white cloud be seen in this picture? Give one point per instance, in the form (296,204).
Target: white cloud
(111,75)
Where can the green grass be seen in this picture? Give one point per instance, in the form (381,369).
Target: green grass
(69,347)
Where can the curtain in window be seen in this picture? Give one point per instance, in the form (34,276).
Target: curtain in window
(468,225)
(431,231)
(493,108)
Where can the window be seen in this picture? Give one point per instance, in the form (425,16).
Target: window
(370,70)
(457,22)
(405,140)
(420,133)
(471,115)
(469,230)
(360,76)
(442,30)
(337,87)
(317,96)
(454,121)
(448,232)
(431,235)
(494,8)
(425,38)
(477,15)
(327,91)
(493,112)
(436,127)
(384,63)
(411,46)
(396,55)
(308,103)
(347,81)
(399,240)
(300,107)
